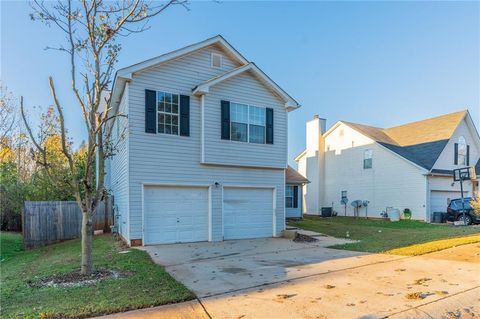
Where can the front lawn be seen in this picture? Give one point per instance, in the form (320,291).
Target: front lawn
(380,235)
(147,284)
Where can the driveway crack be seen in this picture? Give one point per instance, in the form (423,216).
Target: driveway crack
(433,301)
(204,308)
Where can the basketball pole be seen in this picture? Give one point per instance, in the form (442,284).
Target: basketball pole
(463,204)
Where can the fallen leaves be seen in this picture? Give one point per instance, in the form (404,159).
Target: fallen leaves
(421,281)
(415,296)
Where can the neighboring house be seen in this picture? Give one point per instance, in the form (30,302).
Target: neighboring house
(407,166)
(203,154)
(293,193)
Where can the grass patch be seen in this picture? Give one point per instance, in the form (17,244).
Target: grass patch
(425,248)
(148,285)
(377,236)
(10,245)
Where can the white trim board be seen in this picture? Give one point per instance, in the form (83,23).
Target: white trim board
(204,87)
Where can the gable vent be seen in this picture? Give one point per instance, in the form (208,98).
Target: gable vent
(216,60)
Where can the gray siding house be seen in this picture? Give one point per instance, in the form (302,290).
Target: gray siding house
(202,153)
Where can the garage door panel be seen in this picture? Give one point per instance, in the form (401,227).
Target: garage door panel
(439,199)
(175,214)
(248,213)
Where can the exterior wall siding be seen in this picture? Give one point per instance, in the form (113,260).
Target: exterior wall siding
(118,180)
(446,158)
(244,89)
(391,182)
(441,183)
(167,159)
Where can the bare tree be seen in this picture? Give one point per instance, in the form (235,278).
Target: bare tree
(8,116)
(93,29)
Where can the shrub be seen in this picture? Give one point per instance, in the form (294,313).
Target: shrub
(475,203)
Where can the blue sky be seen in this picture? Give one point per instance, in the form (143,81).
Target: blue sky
(377,63)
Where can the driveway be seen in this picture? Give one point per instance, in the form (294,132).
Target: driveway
(278,278)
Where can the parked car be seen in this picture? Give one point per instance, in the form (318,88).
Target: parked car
(454,211)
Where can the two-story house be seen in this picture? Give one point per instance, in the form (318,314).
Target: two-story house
(202,153)
(406,166)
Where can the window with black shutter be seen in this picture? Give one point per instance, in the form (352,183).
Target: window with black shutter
(184,115)
(246,123)
(295,196)
(225,119)
(269,118)
(150,111)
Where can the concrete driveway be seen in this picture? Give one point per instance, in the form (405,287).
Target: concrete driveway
(277,278)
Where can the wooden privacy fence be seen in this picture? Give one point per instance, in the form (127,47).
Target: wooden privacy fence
(53,221)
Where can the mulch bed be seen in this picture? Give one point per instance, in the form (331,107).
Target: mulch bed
(76,279)
(300,238)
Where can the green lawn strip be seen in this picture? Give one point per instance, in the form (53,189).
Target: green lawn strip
(10,245)
(425,248)
(376,236)
(147,285)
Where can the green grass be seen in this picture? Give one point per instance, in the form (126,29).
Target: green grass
(148,285)
(379,235)
(10,245)
(421,249)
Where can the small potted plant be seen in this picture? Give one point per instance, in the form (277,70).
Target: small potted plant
(407,213)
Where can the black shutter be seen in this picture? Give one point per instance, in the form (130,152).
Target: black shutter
(184,115)
(468,155)
(150,111)
(269,122)
(295,196)
(225,118)
(455,159)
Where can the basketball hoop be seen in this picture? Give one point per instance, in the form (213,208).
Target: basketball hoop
(462,174)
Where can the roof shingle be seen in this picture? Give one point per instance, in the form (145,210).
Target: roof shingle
(294,177)
(420,142)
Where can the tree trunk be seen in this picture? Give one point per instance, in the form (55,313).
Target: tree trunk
(87,243)
(106,224)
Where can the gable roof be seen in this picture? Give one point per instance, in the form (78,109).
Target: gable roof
(125,74)
(426,131)
(294,177)
(203,88)
(420,142)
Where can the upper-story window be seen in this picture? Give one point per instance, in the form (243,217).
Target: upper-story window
(247,123)
(462,151)
(168,106)
(367,159)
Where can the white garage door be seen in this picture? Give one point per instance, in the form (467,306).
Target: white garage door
(247,213)
(439,200)
(175,215)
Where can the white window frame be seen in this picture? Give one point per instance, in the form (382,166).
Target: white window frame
(292,197)
(167,113)
(221,60)
(462,142)
(365,152)
(248,124)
